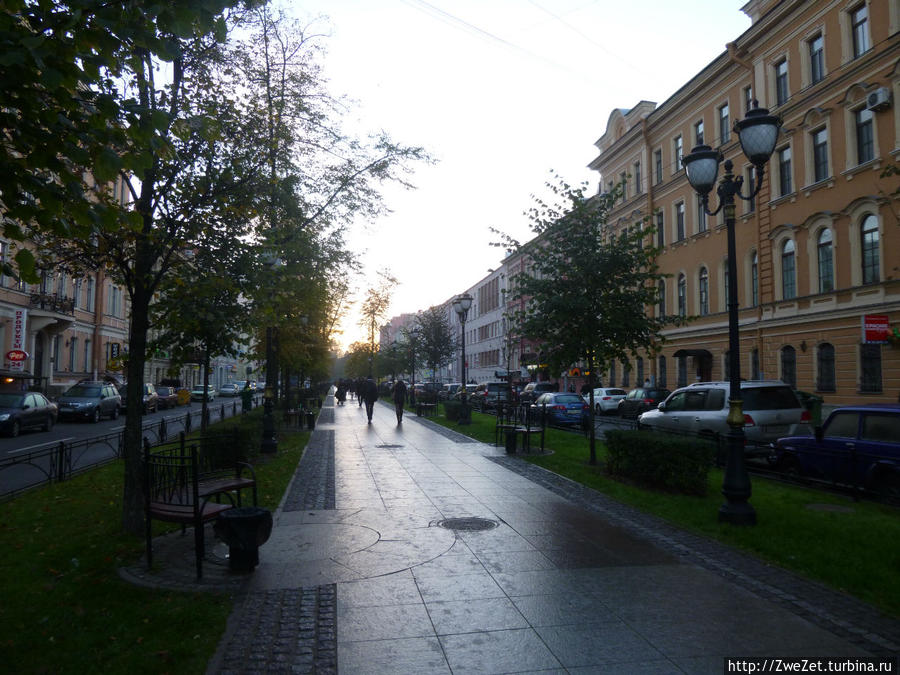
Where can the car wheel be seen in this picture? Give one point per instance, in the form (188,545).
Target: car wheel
(115,413)
(597,409)
(48,425)
(789,466)
(15,428)
(887,483)
(95,416)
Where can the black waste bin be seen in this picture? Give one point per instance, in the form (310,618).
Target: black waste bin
(244,529)
(510,441)
(310,420)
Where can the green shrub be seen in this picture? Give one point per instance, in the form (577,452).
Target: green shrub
(451,410)
(673,463)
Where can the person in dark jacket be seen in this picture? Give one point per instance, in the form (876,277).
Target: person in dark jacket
(399,395)
(360,391)
(370,394)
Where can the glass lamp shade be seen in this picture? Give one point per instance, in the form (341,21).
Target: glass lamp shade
(758,132)
(465,302)
(457,306)
(702,168)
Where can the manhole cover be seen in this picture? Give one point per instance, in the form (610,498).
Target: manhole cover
(467,524)
(388,445)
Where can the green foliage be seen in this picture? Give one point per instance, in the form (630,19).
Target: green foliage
(435,340)
(660,461)
(451,410)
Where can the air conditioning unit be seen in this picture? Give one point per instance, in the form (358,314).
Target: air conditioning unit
(880,99)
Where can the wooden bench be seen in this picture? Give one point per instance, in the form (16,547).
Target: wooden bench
(184,483)
(424,409)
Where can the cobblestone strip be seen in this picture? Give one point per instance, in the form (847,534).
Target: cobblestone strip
(836,612)
(284,631)
(313,484)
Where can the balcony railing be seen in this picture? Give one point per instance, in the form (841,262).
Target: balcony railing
(53,303)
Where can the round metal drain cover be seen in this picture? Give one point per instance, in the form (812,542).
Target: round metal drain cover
(468,524)
(388,445)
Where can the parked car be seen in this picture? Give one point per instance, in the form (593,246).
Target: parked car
(229,389)
(26,410)
(167,397)
(606,399)
(562,408)
(641,400)
(448,390)
(488,394)
(90,400)
(534,389)
(149,398)
(200,390)
(857,445)
(771,411)
(469,390)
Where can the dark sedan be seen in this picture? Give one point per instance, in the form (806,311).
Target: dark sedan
(641,400)
(562,408)
(26,410)
(167,397)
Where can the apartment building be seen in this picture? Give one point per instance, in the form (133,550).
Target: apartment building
(818,249)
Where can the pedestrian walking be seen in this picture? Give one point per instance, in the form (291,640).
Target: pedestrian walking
(341,394)
(399,395)
(360,391)
(370,394)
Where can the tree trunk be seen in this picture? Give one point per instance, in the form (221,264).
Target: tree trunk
(593,430)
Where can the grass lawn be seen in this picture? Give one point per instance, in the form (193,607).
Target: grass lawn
(64,608)
(852,547)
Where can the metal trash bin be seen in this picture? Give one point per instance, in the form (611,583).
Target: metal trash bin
(244,529)
(510,441)
(310,420)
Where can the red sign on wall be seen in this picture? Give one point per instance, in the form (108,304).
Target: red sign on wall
(875,328)
(16,355)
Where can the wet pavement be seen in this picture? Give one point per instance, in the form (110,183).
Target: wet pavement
(412,550)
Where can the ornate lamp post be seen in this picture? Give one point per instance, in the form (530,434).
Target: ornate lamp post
(758,133)
(461,306)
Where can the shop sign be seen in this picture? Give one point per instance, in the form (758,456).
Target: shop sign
(875,329)
(16,355)
(18,341)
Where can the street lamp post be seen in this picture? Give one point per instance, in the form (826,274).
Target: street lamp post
(414,334)
(758,133)
(461,306)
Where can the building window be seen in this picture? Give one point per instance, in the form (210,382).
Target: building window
(682,371)
(781,82)
(820,154)
(816,59)
(784,171)
(678,147)
(77,298)
(657,163)
(704,291)
(748,98)
(724,125)
(73,354)
(865,139)
(870,369)
(789,365)
(754,365)
(701,215)
(788,271)
(679,221)
(698,133)
(623,178)
(661,375)
(61,282)
(750,182)
(626,374)
(754,280)
(660,229)
(639,378)
(89,295)
(825,379)
(825,259)
(88,357)
(612,374)
(662,297)
(870,249)
(859,28)
(637,178)
(682,295)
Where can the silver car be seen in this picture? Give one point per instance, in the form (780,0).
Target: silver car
(771,411)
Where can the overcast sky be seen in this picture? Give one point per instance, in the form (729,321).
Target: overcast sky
(501,93)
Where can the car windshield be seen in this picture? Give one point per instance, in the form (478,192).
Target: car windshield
(85,391)
(615,392)
(162,391)
(569,398)
(10,400)
(769,398)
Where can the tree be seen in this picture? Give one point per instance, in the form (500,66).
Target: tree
(589,289)
(436,342)
(375,308)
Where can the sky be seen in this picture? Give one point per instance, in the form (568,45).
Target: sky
(504,94)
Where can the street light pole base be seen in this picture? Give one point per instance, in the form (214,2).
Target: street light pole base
(737,513)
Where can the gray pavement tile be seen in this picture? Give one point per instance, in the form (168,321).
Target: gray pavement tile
(656,667)
(467,616)
(392,589)
(505,651)
(534,582)
(459,587)
(564,609)
(507,562)
(382,622)
(458,561)
(411,656)
(597,643)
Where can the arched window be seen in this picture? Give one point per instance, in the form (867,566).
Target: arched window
(626,374)
(754,280)
(825,257)
(788,271)
(704,291)
(661,375)
(825,380)
(870,243)
(789,365)
(662,297)
(682,295)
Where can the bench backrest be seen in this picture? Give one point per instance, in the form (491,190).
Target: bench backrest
(171,475)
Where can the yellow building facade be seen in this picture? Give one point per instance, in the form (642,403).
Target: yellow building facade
(818,249)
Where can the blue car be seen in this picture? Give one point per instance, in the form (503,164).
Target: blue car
(858,445)
(562,408)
